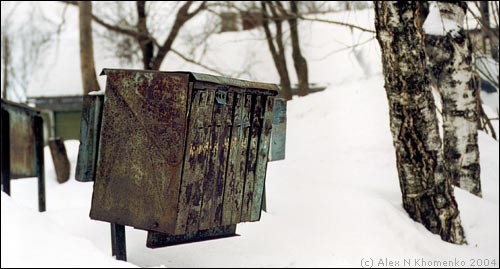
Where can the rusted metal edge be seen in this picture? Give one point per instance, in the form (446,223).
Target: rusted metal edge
(208,78)
(278,133)
(17,106)
(40,162)
(158,240)
(200,85)
(5,153)
(90,129)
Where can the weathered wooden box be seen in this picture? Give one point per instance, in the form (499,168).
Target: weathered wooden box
(176,152)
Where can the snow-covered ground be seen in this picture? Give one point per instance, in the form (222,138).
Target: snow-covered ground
(333,202)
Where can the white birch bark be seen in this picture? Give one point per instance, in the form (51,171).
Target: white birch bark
(449,57)
(426,187)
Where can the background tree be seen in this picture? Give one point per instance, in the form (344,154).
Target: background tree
(449,59)
(276,45)
(140,33)
(89,78)
(25,39)
(6,55)
(425,184)
(299,61)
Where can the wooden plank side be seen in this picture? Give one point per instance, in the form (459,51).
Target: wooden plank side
(224,126)
(263,151)
(210,176)
(197,195)
(194,148)
(251,163)
(229,201)
(198,166)
(242,161)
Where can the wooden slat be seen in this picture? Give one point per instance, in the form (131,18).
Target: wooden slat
(222,157)
(251,161)
(213,185)
(243,153)
(210,170)
(229,203)
(263,151)
(194,148)
(197,157)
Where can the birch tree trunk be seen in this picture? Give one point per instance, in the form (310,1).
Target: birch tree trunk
(426,188)
(449,61)
(89,78)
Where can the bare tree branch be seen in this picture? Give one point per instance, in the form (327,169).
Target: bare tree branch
(484,24)
(110,26)
(183,16)
(189,60)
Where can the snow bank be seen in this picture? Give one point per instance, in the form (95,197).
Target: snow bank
(334,201)
(30,239)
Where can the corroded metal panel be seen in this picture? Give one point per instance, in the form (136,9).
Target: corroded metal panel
(251,162)
(196,161)
(90,129)
(213,185)
(157,240)
(235,175)
(22,145)
(278,134)
(22,139)
(177,153)
(243,85)
(141,150)
(262,154)
(22,156)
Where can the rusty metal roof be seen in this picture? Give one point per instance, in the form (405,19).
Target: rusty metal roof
(18,106)
(207,78)
(58,103)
